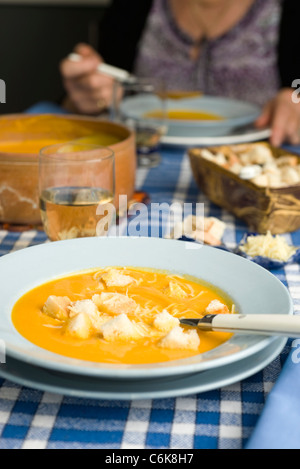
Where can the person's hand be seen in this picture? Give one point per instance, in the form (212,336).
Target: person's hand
(88,91)
(283,116)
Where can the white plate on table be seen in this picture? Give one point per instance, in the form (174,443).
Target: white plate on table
(238,136)
(87,387)
(252,288)
(234,114)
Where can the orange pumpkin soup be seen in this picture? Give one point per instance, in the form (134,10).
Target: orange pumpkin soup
(34,145)
(183,115)
(120,315)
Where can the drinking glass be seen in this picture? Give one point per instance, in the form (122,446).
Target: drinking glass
(148,119)
(76,190)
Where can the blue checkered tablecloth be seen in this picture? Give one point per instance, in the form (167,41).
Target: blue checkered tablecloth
(223,418)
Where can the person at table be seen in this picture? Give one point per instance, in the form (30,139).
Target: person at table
(240,49)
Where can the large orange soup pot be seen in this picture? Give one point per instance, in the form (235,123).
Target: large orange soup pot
(22,137)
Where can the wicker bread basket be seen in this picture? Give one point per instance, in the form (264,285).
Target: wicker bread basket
(262,208)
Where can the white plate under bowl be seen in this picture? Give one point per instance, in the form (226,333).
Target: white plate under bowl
(253,289)
(88,387)
(246,134)
(235,113)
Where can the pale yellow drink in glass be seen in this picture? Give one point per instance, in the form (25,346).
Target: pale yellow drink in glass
(74,181)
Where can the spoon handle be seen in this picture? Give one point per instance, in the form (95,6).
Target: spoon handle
(117,73)
(265,324)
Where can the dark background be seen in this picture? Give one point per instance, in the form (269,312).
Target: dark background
(33,40)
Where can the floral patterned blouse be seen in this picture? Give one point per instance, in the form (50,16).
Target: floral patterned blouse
(240,64)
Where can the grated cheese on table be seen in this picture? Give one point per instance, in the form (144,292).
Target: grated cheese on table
(274,247)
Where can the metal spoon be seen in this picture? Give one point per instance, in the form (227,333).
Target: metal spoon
(114,72)
(259,324)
